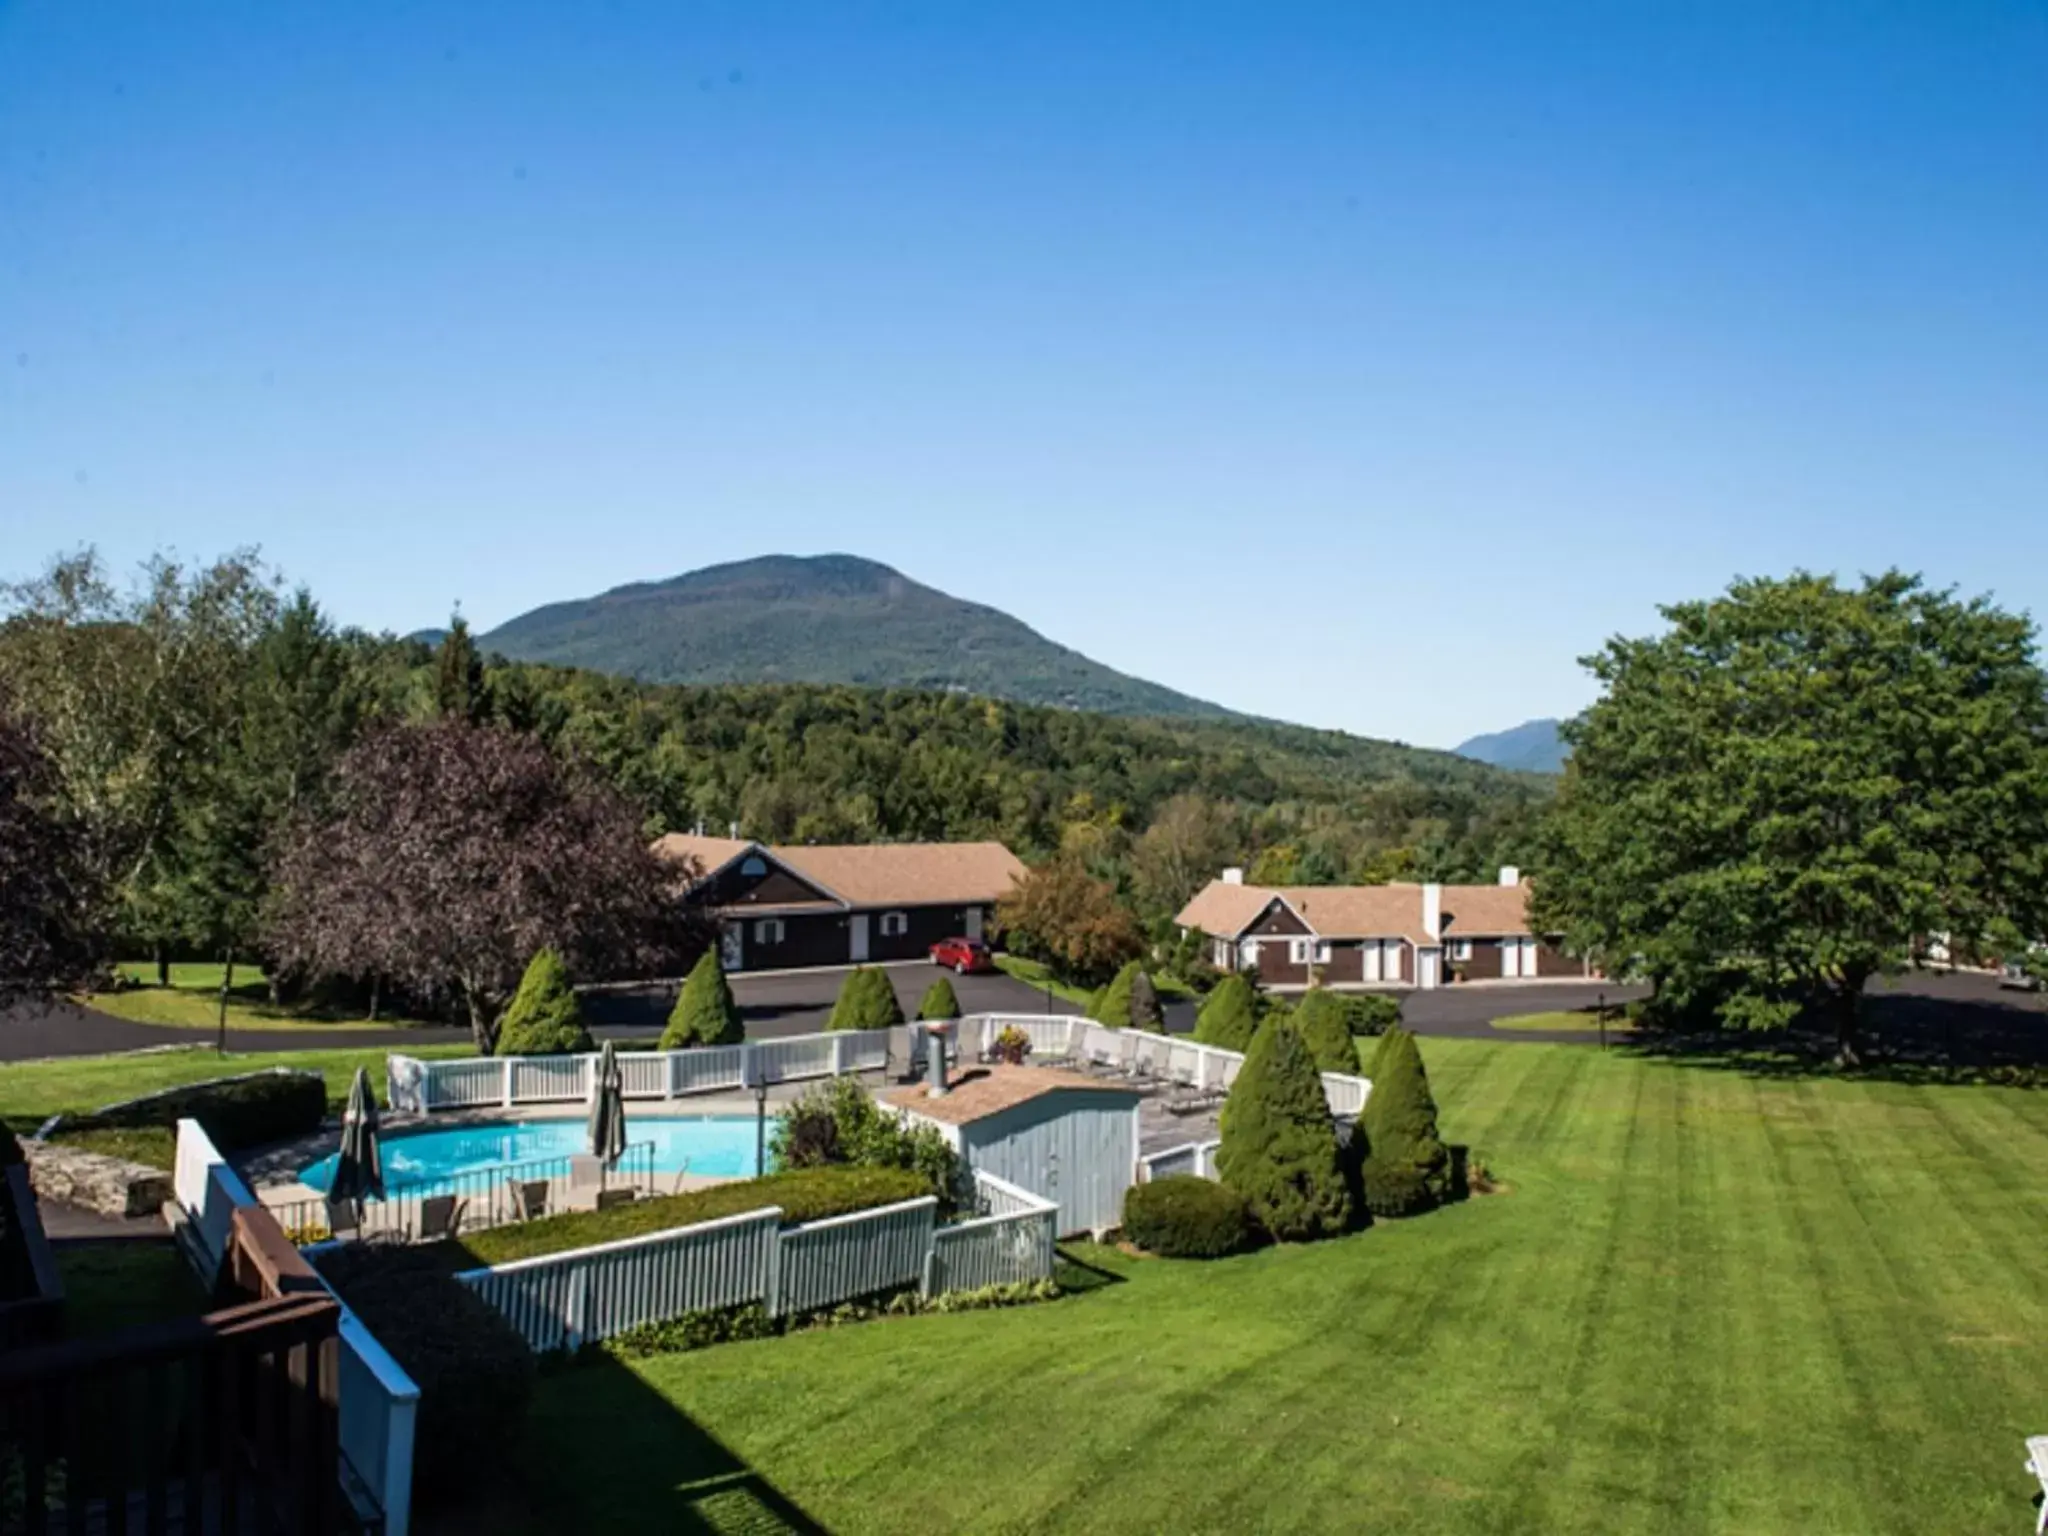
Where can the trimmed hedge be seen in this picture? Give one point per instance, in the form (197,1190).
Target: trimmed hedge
(474,1373)
(235,1112)
(1184,1217)
(804,1194)
(1371,1013)
(705,1013)
(939,1001)
(867,1000)
(543,1019)
(1406,1167)
(1326,1031)
(1112,1006)
(1279,1147)
(1230,1017)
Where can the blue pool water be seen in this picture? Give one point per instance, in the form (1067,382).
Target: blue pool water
(718,1145)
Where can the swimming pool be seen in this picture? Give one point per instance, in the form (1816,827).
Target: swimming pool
(721,1146)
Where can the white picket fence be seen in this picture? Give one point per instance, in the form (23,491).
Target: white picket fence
(507,1082)
(562,1300)
(1171,1059)
(378,1402)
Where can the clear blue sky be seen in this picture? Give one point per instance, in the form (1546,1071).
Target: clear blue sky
(1360,364)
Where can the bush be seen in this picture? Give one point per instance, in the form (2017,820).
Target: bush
(804,1194)
(1146,1014)
(543,1019)
(1371,1013)
(864,1136)
(1279,1146)
(867,1000)
(939,1001)
(235,1112)
(1112,1007)
(1326,1031)
(1406,1166)
(705,1013)
(474,1373)
(1230,1017)
(1186,1218)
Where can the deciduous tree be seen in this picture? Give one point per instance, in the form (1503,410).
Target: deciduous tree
(1061,914)
(51,915)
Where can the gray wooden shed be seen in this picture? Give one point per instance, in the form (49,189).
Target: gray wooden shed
(1065,1137)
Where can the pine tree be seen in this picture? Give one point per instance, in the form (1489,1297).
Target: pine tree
(867,1000)
(1113,1005)
(459,691)
(543,1019)
(1279,1146)
(1230,1017)
(705,1013)
(1325,1029)
(939,1001)
(1406,1168)
(1146,1013)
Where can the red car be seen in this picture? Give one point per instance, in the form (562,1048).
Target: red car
(963,955)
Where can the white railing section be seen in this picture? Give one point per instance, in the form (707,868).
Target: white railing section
(562,1300)
(378,1403)
(860,1254)
(1168,1060)
(510,1081)
(1196,1158)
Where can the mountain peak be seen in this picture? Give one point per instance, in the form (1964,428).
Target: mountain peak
(831,618)
(1534,746)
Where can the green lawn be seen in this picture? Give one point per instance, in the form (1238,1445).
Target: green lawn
(1708,1302)
(1033,973)
(192,1001)
(125,1282)
(1578,1020)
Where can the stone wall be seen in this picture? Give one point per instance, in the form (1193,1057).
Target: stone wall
(107,1186)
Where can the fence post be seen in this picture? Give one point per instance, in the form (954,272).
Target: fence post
(669,1063)
(771,1274)
(579,1306)
(930,1283)
(839,1055)
(510,1063)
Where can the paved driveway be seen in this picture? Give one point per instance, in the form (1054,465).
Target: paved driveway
(799,1003)
(32,1030)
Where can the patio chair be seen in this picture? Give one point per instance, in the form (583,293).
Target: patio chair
(441,1216)
(529,1198)
(344,1219)
(2037,1463)
(607,1199)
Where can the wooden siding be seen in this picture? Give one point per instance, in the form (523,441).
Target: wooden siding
(811,938)
(927,925)
(1078,1149)
(1346,963)
(1277,918)
(778,887)
(1551,960)
(1484,964)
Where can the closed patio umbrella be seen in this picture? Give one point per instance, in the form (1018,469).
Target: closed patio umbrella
(608,1109)
(359,1164)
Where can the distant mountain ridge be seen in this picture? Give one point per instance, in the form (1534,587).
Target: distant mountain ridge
(1534,746)
(824,619)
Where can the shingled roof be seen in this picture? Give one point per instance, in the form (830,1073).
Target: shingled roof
(1225,909)
(870,874)
(978,1092)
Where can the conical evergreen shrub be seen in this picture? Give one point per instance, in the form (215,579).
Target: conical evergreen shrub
(1279,1146)
(705,1013)
(1230,1017)
(1325,1029)
(1407,1168)
(867,1000)
(543,1019)
(1145,1010)
(1113,1002)
(939,1001)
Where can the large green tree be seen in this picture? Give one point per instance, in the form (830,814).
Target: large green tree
(1800,782)
(1279,1148)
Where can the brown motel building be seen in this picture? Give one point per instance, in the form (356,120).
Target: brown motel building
(1402,935)
(788,907)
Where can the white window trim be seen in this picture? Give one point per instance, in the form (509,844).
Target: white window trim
(895,924)
(768,930)
(1308,951)
(1461,949)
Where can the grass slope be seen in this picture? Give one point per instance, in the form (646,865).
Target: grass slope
(1710,1303)
(192,1001)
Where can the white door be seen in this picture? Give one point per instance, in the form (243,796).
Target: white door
(858,940)
(729,953)
(1426,962)
(974,922)
(1370,954)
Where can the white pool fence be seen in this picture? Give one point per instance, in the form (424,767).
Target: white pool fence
(562,1300)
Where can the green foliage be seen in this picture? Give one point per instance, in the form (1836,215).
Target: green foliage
(1230,1016)
(475,1375)
(235,1112)
(1063,915)
(1809,775)
(1279,1147)
(705,1013)
(1370,1013)
(544,1019)
(939,1001)
(1406,1167)
(867,1000)
(1113,1005)
(837,1122)
(1325,1028)
(700,1330)
(802,1194)
(1183,1217)
(1145,1010)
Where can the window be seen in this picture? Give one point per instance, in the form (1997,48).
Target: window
(1248,954)
(1222,954)
(768,931)
(895,924)
(1461,949)
(1308,951)
(753,865)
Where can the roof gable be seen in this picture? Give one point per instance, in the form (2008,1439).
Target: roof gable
(906,874)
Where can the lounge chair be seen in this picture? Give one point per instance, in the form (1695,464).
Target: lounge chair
(441,1216)
(529,1198)
(2037,1463)
(608,1198)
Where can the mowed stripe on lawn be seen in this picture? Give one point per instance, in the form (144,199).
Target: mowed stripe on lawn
(1709,1302)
